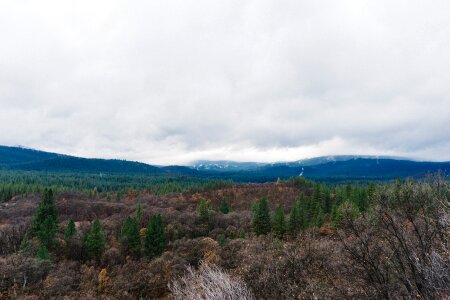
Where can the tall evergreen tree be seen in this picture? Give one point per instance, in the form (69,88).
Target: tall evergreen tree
(317,213)
(319,217)
(294,222)
(155,237)
(304,211)
(261,217)
(203,211)
(70,231)
(327,204)
(339,198)
(130,237)
(279,223)
(46,208)
(47,232)
(362,200)
(94,241)
(224,208)
(45,219)
(42,253)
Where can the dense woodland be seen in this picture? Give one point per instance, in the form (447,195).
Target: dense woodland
(63,235)
(13,183)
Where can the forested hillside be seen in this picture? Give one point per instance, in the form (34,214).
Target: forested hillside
(16,158)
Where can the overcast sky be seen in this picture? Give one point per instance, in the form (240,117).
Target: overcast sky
(169,82)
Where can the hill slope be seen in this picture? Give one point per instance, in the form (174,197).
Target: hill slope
(17,158)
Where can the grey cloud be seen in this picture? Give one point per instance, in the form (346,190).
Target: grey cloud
(173,81)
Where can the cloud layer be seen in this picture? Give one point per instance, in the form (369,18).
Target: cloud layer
(173,81)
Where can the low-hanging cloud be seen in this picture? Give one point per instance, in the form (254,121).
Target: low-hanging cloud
(174,81)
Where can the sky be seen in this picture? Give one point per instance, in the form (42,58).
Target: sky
(171,82)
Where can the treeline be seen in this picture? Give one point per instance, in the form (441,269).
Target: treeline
(13,183)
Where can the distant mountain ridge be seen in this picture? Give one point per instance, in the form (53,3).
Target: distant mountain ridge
(331,168)
(19,158)
(227,165)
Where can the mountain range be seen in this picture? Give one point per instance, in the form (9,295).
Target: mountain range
(342,167)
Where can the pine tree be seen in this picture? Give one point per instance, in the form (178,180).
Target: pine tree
(155,237)
(45,209)
(294,222)
(221,240)
(279,223)
(70,231)
(224,208)
(319,217)
(45,220)
(42,253)
(317,197)
(362,200)
(261,217)
(327,203)
(47,232)
(304,211)
(130,237)
(94,241)
(339,198)
(203,211)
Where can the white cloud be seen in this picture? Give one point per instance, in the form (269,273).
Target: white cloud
(174,81)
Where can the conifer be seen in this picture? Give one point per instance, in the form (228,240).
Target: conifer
(155,237)
(261,217)
(130,237)
(94,241)
(279,223)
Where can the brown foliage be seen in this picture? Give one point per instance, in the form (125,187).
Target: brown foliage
(399,249)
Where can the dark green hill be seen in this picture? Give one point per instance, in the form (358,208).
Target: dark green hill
(18,155)
(17,158)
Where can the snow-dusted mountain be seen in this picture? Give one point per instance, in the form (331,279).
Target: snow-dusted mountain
(227,165)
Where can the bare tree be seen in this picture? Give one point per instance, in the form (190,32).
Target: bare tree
(400,246)
(209,282)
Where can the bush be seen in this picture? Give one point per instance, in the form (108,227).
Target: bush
(209,282)
(399,247)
